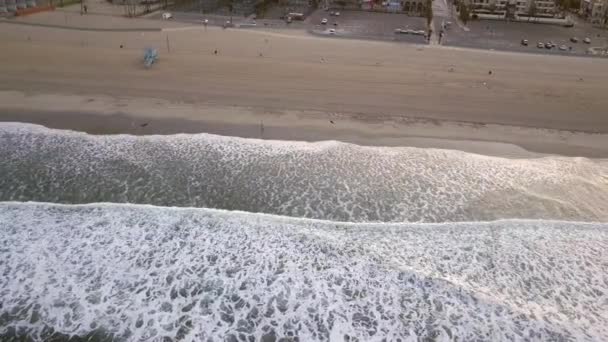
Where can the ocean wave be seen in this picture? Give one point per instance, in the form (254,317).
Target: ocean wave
(326,180)
(141,273)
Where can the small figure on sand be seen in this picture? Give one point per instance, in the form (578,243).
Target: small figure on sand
(215,52)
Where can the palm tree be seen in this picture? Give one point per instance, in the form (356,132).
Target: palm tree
(428,12)
(532,10)
(464,13)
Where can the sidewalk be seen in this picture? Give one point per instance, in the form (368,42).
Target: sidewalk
(71,19)
(103,7)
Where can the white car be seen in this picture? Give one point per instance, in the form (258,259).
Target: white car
(405,31)
(587,40)
(563,47)
(337,14)
(205,21)
(332,31)
(167,16)
(324,21)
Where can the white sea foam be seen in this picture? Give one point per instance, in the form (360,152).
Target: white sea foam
(147,273)
(327,180)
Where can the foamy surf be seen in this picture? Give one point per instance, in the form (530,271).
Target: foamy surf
(327,180)
(132,273)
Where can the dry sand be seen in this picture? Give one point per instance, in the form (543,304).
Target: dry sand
(293,85)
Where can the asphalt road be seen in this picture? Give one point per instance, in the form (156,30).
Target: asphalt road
(507,36)
(368,25)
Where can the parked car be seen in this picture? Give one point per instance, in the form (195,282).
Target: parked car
(548,45)
(540,45)
(167,16)
(337,14)
(574,40)
(332,31)
(563,47)
(205,21)
(524,42)
(587,40)
(324,21)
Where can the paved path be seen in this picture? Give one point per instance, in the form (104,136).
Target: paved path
(91,22)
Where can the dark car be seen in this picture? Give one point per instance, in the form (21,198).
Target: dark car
(524,42)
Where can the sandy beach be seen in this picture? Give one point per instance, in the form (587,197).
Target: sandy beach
(288,85)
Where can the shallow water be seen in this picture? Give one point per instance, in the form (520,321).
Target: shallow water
(138,273)
(133,272)
(327,180)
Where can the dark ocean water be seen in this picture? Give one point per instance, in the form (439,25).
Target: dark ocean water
(327,180)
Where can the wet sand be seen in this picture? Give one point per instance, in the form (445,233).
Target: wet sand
(141,116)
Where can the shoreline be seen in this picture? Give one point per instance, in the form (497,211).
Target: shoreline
(141,116)
(273,85)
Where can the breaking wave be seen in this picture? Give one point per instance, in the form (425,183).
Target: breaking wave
(328,180)
(126,272)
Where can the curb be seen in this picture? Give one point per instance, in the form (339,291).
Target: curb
(154,29)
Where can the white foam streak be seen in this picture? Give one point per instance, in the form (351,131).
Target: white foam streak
(327,180)
(144,273)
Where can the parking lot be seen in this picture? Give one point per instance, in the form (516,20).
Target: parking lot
(481,34)
(349,24)
(367,25)
(502,35)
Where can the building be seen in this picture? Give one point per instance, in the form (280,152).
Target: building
(412,7)
(12,6)
(512,8)
(595,11)
(415,7)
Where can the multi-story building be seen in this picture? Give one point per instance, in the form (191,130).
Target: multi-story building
(11,6)
(514,7)
(595,11)
(414,6)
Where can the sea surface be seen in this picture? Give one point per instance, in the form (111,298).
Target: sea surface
(209,238)
(327,180)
